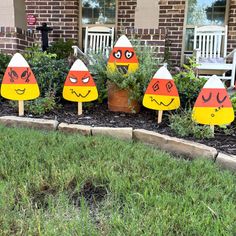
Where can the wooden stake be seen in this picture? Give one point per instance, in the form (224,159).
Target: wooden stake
(80,109)
(159,119)
(21,107)
(212,129)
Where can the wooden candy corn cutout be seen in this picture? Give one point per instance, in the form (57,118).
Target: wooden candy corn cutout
(19,82)
(161,93)
(213,106)
(79,85)
(123,57)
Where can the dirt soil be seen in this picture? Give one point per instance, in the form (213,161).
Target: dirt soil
(99,115)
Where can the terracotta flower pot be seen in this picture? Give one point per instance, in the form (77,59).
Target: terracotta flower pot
(118,100)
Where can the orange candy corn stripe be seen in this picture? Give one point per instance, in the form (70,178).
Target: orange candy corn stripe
(79,78)
(19,75)
(123,55)
(162,87)
(213,98)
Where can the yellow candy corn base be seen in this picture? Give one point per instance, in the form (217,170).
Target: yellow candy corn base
(213,115)
(20,91)
(132,66)
(80,94)
(159,102)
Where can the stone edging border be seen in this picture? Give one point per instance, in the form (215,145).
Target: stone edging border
(174,145)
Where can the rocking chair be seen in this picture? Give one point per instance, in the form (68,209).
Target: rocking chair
(210,46)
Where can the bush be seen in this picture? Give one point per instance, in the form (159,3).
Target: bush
(183,126)
(49,72)
(99,72)
(233,100)
(38,106)
(188,85)
(4,61)
(41,105)
(62,49)
(135,82)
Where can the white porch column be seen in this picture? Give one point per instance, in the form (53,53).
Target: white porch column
(12,13)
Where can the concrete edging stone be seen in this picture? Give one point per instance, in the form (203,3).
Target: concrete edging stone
(226,161)
(170,144)
(175,145)
(16,121)
(74,128)
(121,133)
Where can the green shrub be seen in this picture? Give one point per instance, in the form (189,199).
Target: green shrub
(137,81)
(99,72)
(62,49)
(188,84)
(183,126)
(41,105)
(4,61)
(49,72)
(38,106)
(233,100)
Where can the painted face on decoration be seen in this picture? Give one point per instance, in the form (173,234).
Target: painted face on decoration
(161,93)
(213,106)
(123,57)
(19,82)
(79,85)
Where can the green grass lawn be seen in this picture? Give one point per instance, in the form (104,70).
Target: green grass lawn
(57,184)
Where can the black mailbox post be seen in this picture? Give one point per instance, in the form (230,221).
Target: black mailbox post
(44,34)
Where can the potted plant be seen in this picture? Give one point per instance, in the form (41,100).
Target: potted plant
(121,87)
(127,84)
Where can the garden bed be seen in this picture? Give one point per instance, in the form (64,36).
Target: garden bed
(99,115)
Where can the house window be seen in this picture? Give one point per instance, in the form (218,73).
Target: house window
(98,11)
(203,12)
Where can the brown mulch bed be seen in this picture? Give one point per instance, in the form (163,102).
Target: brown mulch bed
(99,115)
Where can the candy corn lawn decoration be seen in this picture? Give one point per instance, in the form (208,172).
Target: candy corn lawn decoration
(79,85)
(213,106)
(19,82)
(123,57)
(161,93)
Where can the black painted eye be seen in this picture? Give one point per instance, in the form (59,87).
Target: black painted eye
(24,74)
(13,75)
(207,99)
(218,98)
(155,86)
(117,54)
(85,80)
(128,54)
(169,85)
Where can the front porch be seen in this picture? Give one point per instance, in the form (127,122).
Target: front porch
(167,24)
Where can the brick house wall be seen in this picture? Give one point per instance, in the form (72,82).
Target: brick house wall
(61,15)
(14,39)
(232,26)
(171,17)
(171,23)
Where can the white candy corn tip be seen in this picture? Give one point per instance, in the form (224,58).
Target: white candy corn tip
(123,41)
(18,61)
(214,82)
(163,73)
(79,66)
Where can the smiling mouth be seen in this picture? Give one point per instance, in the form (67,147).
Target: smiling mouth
(80,95)
(161,103)
(122,69)
(20,91)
